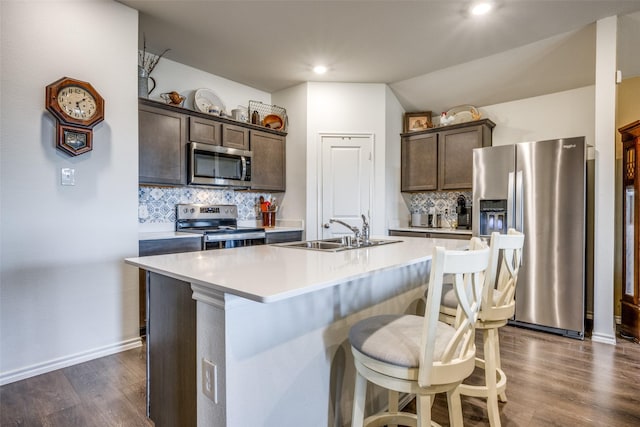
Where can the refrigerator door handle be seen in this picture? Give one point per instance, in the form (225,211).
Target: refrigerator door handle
(510,206)
(519,202)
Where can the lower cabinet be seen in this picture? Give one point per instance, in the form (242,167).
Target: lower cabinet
(430,235)
(284,236)
(268,162)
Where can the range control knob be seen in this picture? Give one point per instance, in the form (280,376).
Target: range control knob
(192,210)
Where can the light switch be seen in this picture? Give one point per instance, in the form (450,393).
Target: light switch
(68,176)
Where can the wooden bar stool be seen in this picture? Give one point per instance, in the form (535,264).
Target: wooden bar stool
(498,305)
(419,354)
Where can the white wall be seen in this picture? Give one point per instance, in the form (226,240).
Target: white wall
(174,76)
(396,208)
(558,115)
(65,292)
(604,217)
(346,108)
(294,99)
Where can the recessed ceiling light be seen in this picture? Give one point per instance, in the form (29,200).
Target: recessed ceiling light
(319,69)
(481,8)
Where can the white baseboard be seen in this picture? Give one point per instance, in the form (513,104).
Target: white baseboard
(63,362)
(615,318)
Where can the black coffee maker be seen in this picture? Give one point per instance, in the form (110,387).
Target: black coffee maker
(464,213)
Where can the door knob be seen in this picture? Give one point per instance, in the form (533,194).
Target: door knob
(327,225)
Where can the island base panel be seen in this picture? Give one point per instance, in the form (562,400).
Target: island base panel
(171,352)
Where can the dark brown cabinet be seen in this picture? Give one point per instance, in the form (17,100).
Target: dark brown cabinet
(216,133)
(165,130)
(268,162)
(235,137)
(442,158)
(430,235)
(419,162)
(162,146)
(203,130)
(284,236)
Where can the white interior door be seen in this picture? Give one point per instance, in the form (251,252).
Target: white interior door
(346,172)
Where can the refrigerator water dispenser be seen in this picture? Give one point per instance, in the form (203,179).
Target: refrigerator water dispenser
(493,217)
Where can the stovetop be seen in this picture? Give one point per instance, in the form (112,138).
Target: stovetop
(210,219)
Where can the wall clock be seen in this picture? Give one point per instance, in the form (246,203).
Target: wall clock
(78,107)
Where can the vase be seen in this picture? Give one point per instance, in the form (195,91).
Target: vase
(143,83)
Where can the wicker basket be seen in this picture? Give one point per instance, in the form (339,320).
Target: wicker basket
(265,110)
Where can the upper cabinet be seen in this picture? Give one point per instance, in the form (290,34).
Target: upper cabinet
(165,131)
(217,133)
(268,161)
(162,146)
(442,158)
(419,162)
(235,137)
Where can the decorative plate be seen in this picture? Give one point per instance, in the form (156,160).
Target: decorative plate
(462,114)
(206,101)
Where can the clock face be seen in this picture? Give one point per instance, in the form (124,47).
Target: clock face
(77,102)
(74,102)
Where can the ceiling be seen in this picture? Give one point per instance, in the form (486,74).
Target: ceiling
(432,53)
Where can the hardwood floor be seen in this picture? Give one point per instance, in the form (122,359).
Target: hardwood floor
(109,391)
(556,381)
(552,381)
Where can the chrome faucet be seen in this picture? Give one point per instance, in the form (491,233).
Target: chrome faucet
(355,230)
(365,230)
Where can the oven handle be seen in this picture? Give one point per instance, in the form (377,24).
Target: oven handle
(235,236)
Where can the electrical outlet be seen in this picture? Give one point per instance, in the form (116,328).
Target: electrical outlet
(210,380)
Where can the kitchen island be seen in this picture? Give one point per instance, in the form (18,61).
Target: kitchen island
(266,340)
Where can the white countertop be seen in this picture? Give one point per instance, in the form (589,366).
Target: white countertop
(431,230)
(268,273)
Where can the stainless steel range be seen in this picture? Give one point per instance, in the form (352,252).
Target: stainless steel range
(218,225)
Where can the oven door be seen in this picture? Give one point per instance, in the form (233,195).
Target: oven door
(233,240)
(219,166)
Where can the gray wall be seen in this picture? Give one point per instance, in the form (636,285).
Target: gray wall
(65,292)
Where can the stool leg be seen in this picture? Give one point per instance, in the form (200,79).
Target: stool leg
(423,410)
(359,396)
(490,374)
(394,397)
(455,407)
(502,396)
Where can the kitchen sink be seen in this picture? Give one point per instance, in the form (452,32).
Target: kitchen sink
(335,244)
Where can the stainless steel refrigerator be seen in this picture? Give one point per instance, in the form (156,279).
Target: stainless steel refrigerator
(539,188)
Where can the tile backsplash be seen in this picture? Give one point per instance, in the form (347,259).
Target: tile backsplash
(438,200)
(158,204)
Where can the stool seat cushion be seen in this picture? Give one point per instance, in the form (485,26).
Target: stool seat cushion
(396,339)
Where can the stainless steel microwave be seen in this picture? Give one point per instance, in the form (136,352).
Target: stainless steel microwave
(219,166)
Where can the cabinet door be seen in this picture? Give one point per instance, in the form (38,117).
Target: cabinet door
(419,159)
(203,130)
(235,137)
(456,157)
(407,233)
(284,236)
(161,146)
(268,161)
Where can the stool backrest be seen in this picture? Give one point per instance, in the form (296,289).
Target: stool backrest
(467,268)
(502,275)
